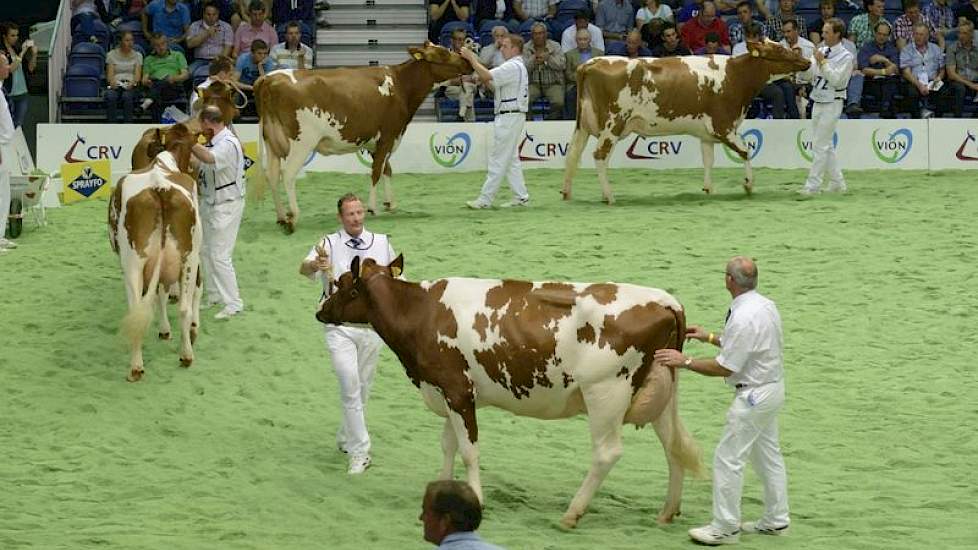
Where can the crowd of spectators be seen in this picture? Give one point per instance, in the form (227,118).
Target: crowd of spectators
(155,51)
(913,56)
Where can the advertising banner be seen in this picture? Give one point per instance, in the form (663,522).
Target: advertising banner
(91,179)
(953,144)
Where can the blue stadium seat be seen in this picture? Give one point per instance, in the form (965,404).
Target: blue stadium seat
(484,109)
(526,28)
(446,110)
(100,34)
(445,38)
(487,25)
(540,108)
(82,81)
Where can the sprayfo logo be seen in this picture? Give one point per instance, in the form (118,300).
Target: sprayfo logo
(87,183)
(960,152)
(538,151)
(753,139)
(91,152)
(451,152)
(805,144)
(652,149)
(894,148)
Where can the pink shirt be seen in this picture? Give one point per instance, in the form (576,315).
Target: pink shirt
(246,34)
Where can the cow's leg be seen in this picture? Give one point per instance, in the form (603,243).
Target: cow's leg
(164,299)
(468,448)
(735,142)
(189,297)
(578,142)
(198,293)
(388,188)
(706,147)
(141,306)
(606,144)
(449,446)
(380,157)
(273,173)
(606,404)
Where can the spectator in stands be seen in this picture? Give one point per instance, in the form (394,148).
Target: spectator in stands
(687,12)
(653,9)
(451,512)
(584,51)
(285,11)
(745,16)
(962,67)
(786,13)
(695,30)
(292,54)
(878,64)
(84,13)
(568,40)
(504,11)
(534,9)
(490,56)
(652,32)
(209,38)
(968,10)
(243,11)
(922,65)
(861,26)
(220,70)
(770,93)
(544,63)
(768,9)
(123,72)
(227,10)
(256,28)
(903,25)
(631,48)
(671,45)
(941,16)
(788,85)
(22,58)
(616,18)
(441,12)
(460,88)
(712,46)
(169,18)
(129,10)
(826,8)
(164,72)
(253,64)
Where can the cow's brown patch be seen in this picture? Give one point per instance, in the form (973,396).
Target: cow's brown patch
(568,379)
(586,334)
(622,372)
(645,328)
(480,325)
(603,293)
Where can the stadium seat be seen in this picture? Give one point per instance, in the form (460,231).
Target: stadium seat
(446,110)
(487,25)
(445,38)
(526,28)
(540,108)
(100,34)
(81,92)
(88,54)
(484,109)
(200,74)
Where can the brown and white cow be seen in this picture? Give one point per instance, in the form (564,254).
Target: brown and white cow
(702,96)
(540,349)
(154,227)
(337,111)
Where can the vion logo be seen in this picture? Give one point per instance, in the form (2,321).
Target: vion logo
(805,144)
(91,152)
(539,151)
(753,139)
(451,152)
(652,149)
(894,148)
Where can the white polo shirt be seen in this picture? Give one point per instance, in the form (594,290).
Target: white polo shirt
(223,181)
(512,86)
(752,343)
(342,250)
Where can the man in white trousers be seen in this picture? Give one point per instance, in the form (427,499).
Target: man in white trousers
(6,137)
(829,74)
(222,192)
(751,361)
(512,100)
(353,350)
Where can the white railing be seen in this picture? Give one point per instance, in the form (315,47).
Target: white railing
(58,57)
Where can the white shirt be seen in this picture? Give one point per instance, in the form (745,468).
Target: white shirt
(342,251)
(224,181)
(289,59)
(512,86)
(568,40)
(752,343)
(806,45)
(6,122)
(829,81)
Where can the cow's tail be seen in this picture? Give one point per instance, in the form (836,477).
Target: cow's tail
(257,187)
(140,314)
(579,140)
(682,446)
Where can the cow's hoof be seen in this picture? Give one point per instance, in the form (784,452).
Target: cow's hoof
(610,201)
(569,521)
(135,374)
(665,519)
(371,211)
(164,336)
(185,362)
(174,299)
(566,195)
(708,190)
(389,207)
(748,187)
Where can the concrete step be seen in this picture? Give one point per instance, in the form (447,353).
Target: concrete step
(359,56)
(365,35)
(403,14)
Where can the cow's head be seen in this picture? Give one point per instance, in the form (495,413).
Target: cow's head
(780,61)
(444,63)
(179,139)
(223,95)
(348,303)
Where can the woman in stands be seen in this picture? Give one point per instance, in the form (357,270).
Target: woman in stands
(653,9)
(123,71)
(21,56)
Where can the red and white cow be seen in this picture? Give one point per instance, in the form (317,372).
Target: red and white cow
(338,111)
(702,96)
(541,349)
(154,227)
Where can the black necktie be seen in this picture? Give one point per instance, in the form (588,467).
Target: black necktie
(355,243)
(727,318)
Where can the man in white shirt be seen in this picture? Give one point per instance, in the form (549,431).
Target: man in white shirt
(568,39)
(512,100)
(6,136)
(292,54)
(353,350)
(829,74)
(222,191)
(751,362)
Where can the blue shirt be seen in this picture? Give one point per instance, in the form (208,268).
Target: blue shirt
(871,48)
(616,18)
(249,70)
(621,49)
(466,540)
(929,62)
(169,23)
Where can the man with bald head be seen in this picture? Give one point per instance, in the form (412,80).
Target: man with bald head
(751,363)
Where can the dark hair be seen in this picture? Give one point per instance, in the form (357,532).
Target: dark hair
(349,197)
(458,501)
(868,3)
(211,4)
(219,64)
(792,22)
(582,14)
(881,23)
(712,37)
(827,3)
(745,3)
(6,27)
(258,44)
(293,24)
(256,5)
(910,4)
(753,29)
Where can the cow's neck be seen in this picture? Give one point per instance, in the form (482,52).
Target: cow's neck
(388,313)
(417,86)
(752,75)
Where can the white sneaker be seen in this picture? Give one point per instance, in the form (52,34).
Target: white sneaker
(516,202)
(711,536)
(752,527)
(476,205)
(358,464)
(7,243)
(806,192)
(841,188)
(146,103)
(226,313)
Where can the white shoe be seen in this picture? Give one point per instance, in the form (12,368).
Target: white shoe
(711,536)
(226,313)
(211,302)
(806,192)
(358,464)
(837,188)
(516,202)
(476,205)
(752,527)
(146,103)
(7,243)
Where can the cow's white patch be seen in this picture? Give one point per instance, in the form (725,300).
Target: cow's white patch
(706,76)
(387,88)
(287,72)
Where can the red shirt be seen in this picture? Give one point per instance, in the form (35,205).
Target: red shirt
(694,33)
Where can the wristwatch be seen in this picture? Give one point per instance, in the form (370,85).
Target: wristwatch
(688,362)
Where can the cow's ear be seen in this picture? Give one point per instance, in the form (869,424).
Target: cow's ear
(355,268)
(397,266)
